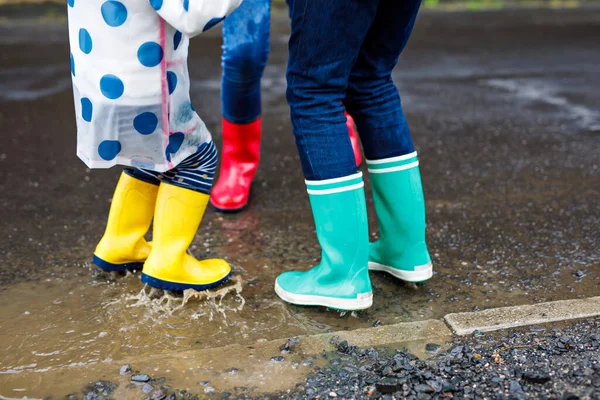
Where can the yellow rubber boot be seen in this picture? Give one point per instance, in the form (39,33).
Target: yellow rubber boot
(123,245)
(176,219)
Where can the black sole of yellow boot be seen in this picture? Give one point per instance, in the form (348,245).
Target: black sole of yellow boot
(179,287)
(110,267)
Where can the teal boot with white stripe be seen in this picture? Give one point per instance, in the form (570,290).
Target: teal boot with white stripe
(398,196)
(341,281)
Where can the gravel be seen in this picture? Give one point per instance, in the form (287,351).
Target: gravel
(530,363)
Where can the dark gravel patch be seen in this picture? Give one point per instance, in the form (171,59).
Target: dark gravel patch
(531,363)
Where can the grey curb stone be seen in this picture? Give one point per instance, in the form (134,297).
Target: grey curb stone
(532,314)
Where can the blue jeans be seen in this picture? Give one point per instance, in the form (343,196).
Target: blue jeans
(245,53)
(347,54)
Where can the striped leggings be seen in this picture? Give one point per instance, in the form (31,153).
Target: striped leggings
(195,172)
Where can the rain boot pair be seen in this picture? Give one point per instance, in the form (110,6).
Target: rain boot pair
(240,158)
(165,262)
(341,281)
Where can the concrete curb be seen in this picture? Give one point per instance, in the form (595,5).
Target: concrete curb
(533,314)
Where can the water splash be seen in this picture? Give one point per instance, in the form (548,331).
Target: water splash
(160,304)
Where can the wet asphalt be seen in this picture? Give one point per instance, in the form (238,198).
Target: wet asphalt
(503,109)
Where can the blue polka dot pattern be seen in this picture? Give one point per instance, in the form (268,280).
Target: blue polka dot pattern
(71,3)
(109,149)
(150,54)
(86,109)
(212,23)
(156,4)
(172,81)
(186,4)
(176,40)
(72,65)
(85,41)
(145,123)
(111,87)
(175,142)
(114,13)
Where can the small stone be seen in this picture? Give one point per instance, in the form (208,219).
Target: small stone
(140,378)
(448,387)
(432,348)
(422,388)
(147,388)
(335,340)
(125,369)
(209,390)
(278,359)
(204,383)
(388,385)
(105,387)
(537,376)
(290,345)
(515,387)
(377,323)
(456,351)
(570,396)
(436,385)
(159,395)
(343,347)
(332,394)
(308,363)
(232,371)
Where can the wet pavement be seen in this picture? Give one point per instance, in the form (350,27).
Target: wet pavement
(503,107)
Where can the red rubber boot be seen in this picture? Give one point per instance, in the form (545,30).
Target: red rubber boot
(239,161)
(353,138)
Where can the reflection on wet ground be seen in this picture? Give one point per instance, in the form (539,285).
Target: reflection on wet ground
(505,120)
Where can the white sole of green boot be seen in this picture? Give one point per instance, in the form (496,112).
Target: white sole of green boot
(421,273)
(361,302)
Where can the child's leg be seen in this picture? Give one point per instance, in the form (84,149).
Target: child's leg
(182,199)
(123,245)
(195,172)
(373,100)
(324,44)
(245,52)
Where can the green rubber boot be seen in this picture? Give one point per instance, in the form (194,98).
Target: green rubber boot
(341,281)
(401,250)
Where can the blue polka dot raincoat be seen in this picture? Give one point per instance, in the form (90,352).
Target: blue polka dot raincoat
(130,79)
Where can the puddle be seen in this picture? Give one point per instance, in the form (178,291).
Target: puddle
(62,324)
